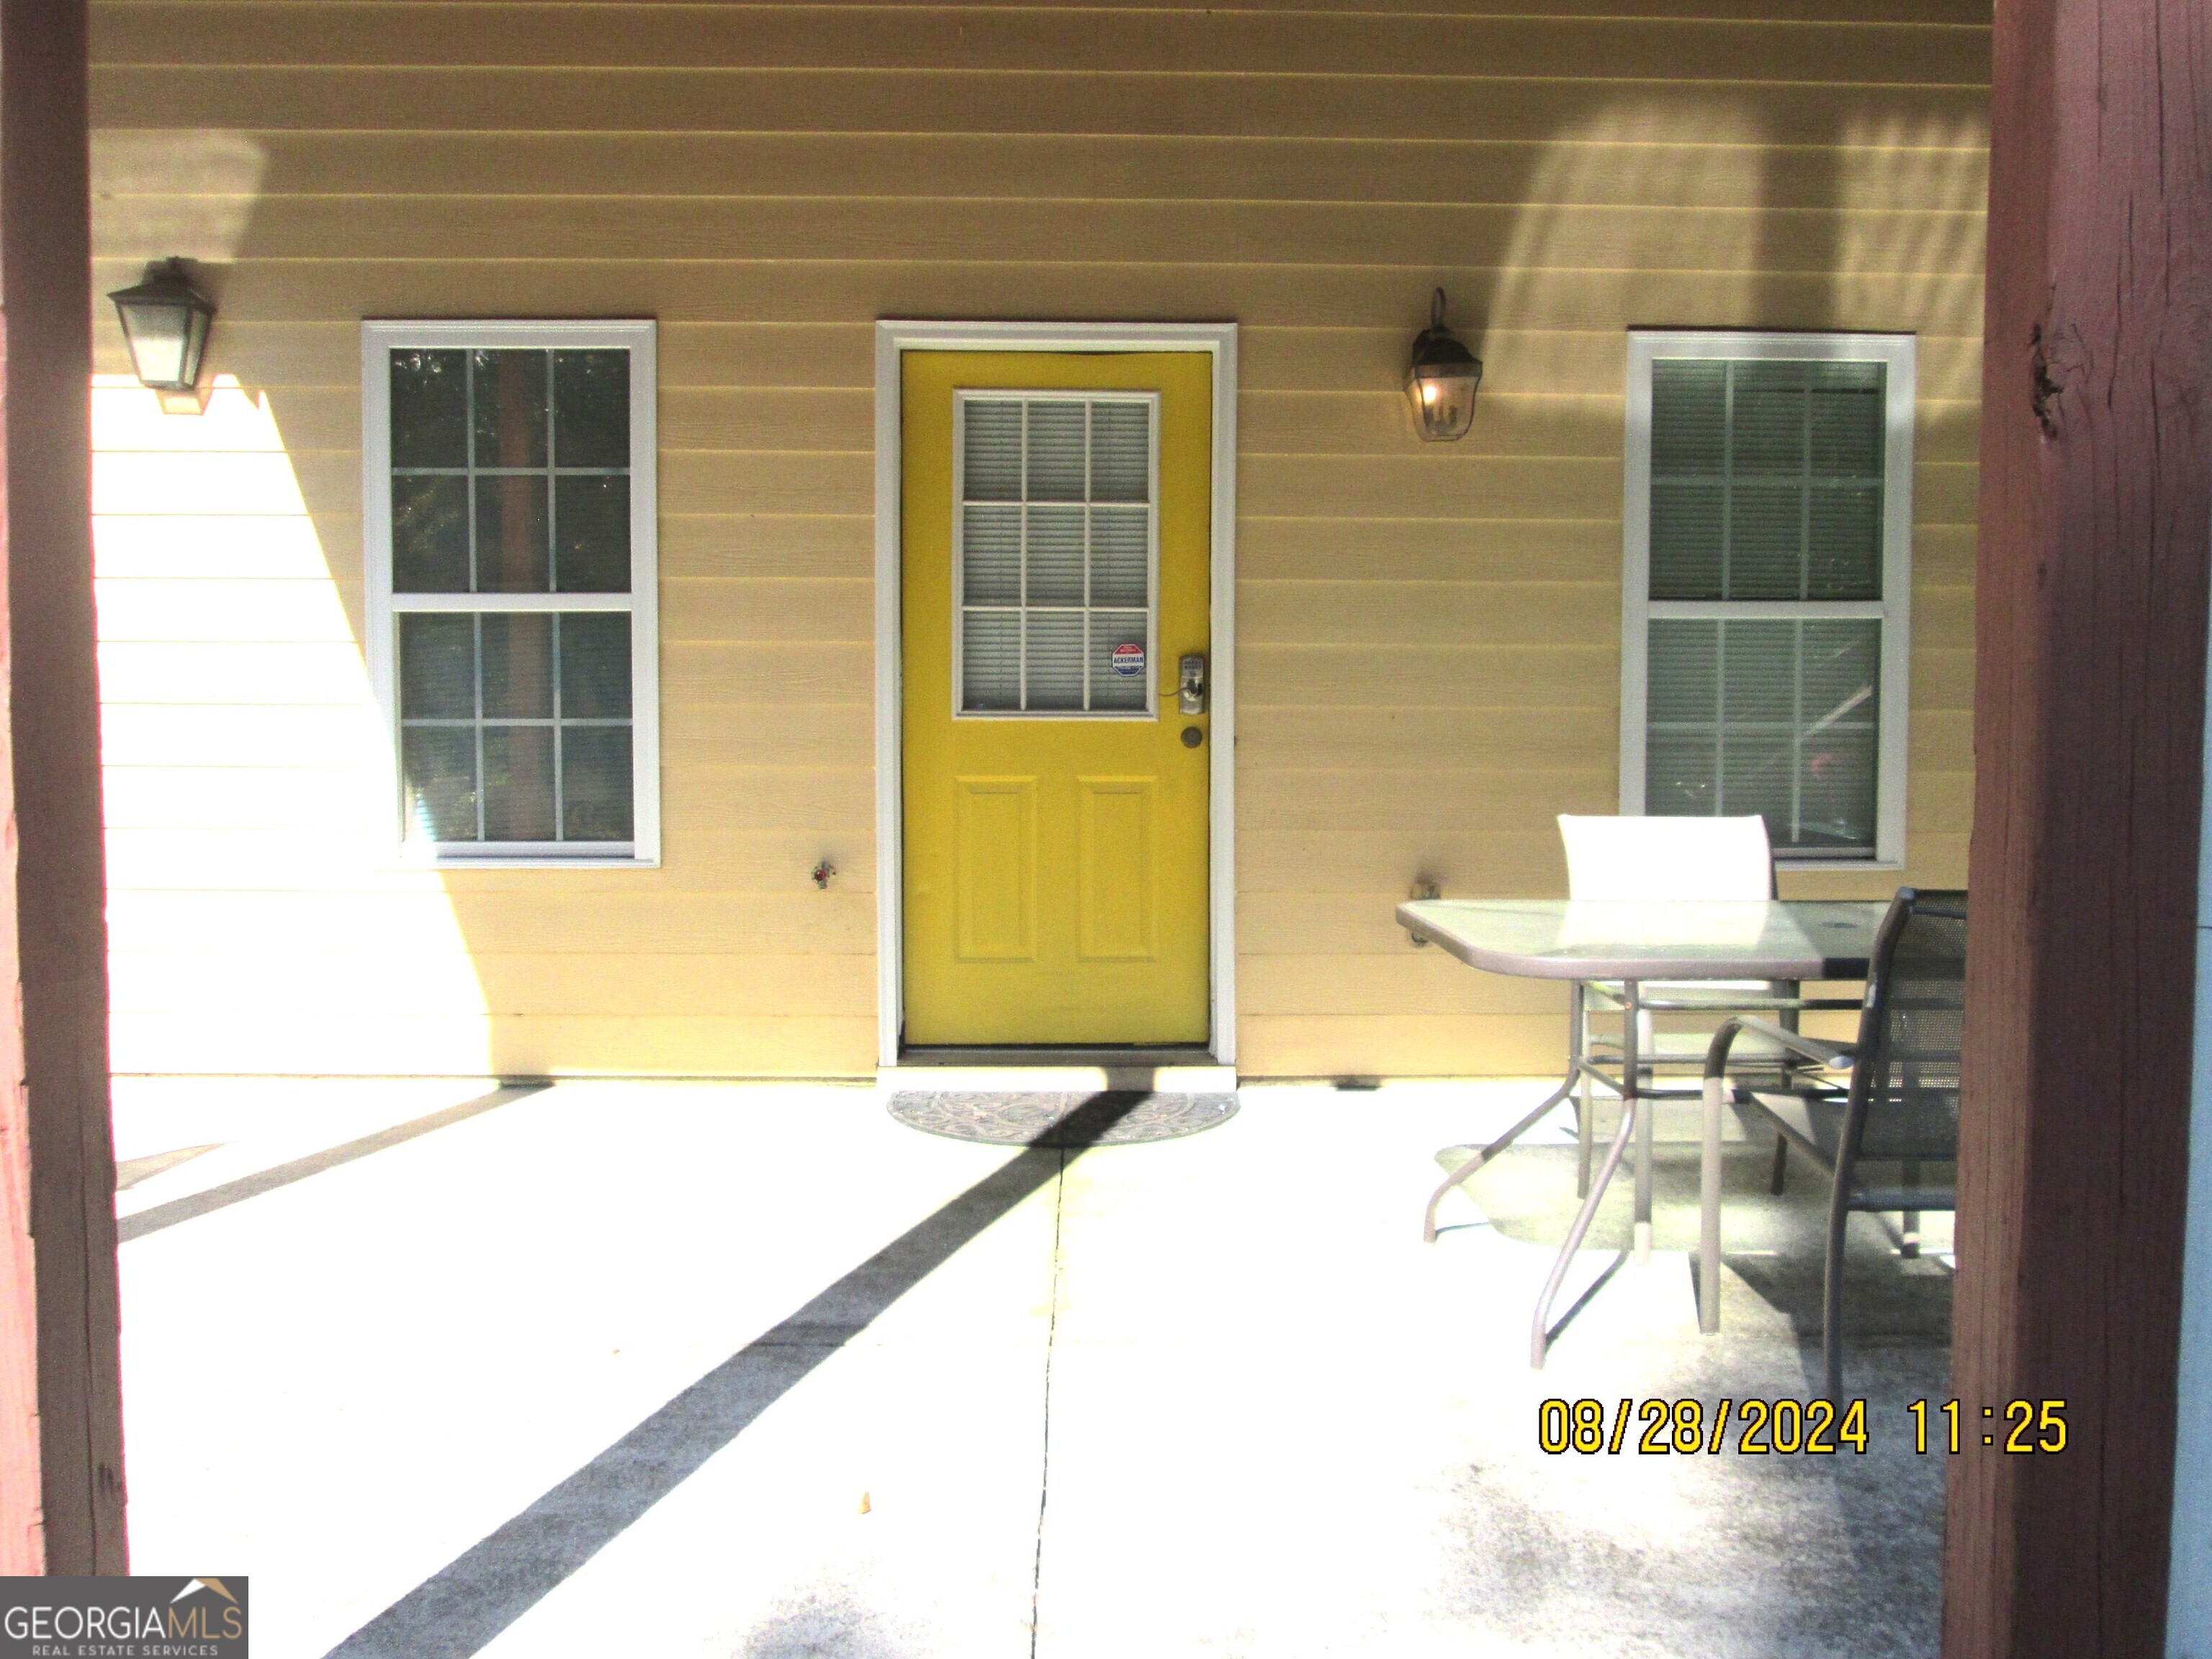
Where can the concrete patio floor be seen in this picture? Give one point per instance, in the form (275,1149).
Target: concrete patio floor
(678,1370)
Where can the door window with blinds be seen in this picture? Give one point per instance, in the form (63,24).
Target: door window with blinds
(1767,580)
(1056,539)
(509,482)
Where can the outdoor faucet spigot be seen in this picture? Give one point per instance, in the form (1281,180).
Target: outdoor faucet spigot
(1424,887)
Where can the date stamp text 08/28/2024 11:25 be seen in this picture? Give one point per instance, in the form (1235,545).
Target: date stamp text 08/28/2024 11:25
(1812,1427)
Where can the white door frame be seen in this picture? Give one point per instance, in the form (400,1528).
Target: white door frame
(893,340)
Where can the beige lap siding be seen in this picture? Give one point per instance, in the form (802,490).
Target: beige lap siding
(1428,641)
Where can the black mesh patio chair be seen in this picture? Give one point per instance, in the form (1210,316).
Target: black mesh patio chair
(1889,1138)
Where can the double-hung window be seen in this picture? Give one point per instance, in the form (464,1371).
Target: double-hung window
(510,524)
(1766,586)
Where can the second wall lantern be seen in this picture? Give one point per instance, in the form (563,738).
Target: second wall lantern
(1441,382)
(164,321)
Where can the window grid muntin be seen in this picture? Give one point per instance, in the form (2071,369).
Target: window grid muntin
(638,599)
(478,723)
(1891,464)
(1805,481)
(1022,505)
(1723,727)
(552,472)
(1793,732)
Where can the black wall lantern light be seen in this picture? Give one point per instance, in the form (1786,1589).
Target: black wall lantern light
(165,322)
(1440,383)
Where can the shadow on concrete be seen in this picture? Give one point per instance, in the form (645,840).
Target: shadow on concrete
(154,1218)
(458,1611)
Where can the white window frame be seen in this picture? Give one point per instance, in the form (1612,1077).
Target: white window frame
(1894,609)
(1150,401)
(384,608)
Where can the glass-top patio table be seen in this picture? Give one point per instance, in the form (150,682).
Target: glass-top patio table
(1625,944)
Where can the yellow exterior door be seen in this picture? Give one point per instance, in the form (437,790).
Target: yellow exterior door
(1056,572)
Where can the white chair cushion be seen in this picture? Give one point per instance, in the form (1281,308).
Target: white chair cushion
(1659,858)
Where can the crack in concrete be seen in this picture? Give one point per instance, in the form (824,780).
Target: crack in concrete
(1044,1463)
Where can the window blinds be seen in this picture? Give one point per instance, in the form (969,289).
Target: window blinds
(1766,487)
(1054,533)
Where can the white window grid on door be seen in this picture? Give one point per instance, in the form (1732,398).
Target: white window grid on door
(385,607)
(1892,611)
(1149,402)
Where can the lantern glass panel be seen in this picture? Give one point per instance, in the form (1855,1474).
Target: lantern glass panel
(1442,400)
(160,336)
(165,323)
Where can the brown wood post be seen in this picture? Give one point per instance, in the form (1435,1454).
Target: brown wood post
(2096,517)
(61,1427)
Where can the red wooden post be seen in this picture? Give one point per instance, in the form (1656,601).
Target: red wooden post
(61,1434)
(2096,517)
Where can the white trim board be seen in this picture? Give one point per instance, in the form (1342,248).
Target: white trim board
(1893,742)
(893,340)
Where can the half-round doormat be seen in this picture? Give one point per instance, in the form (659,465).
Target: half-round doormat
(1061,1118)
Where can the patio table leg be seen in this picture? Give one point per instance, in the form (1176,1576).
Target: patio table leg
(1429,1216)
(1709,1216)
(1632,1087)
(1540,1336)
(1578,1052)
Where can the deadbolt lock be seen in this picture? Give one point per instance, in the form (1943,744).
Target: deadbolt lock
(1191,685)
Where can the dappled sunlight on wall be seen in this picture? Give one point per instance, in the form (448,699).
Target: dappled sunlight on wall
(1663,158)
(256,920)
(1913,192)
(1868,220)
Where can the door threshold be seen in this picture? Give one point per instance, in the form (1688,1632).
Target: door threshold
(1045,1053)
(1043,1069)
